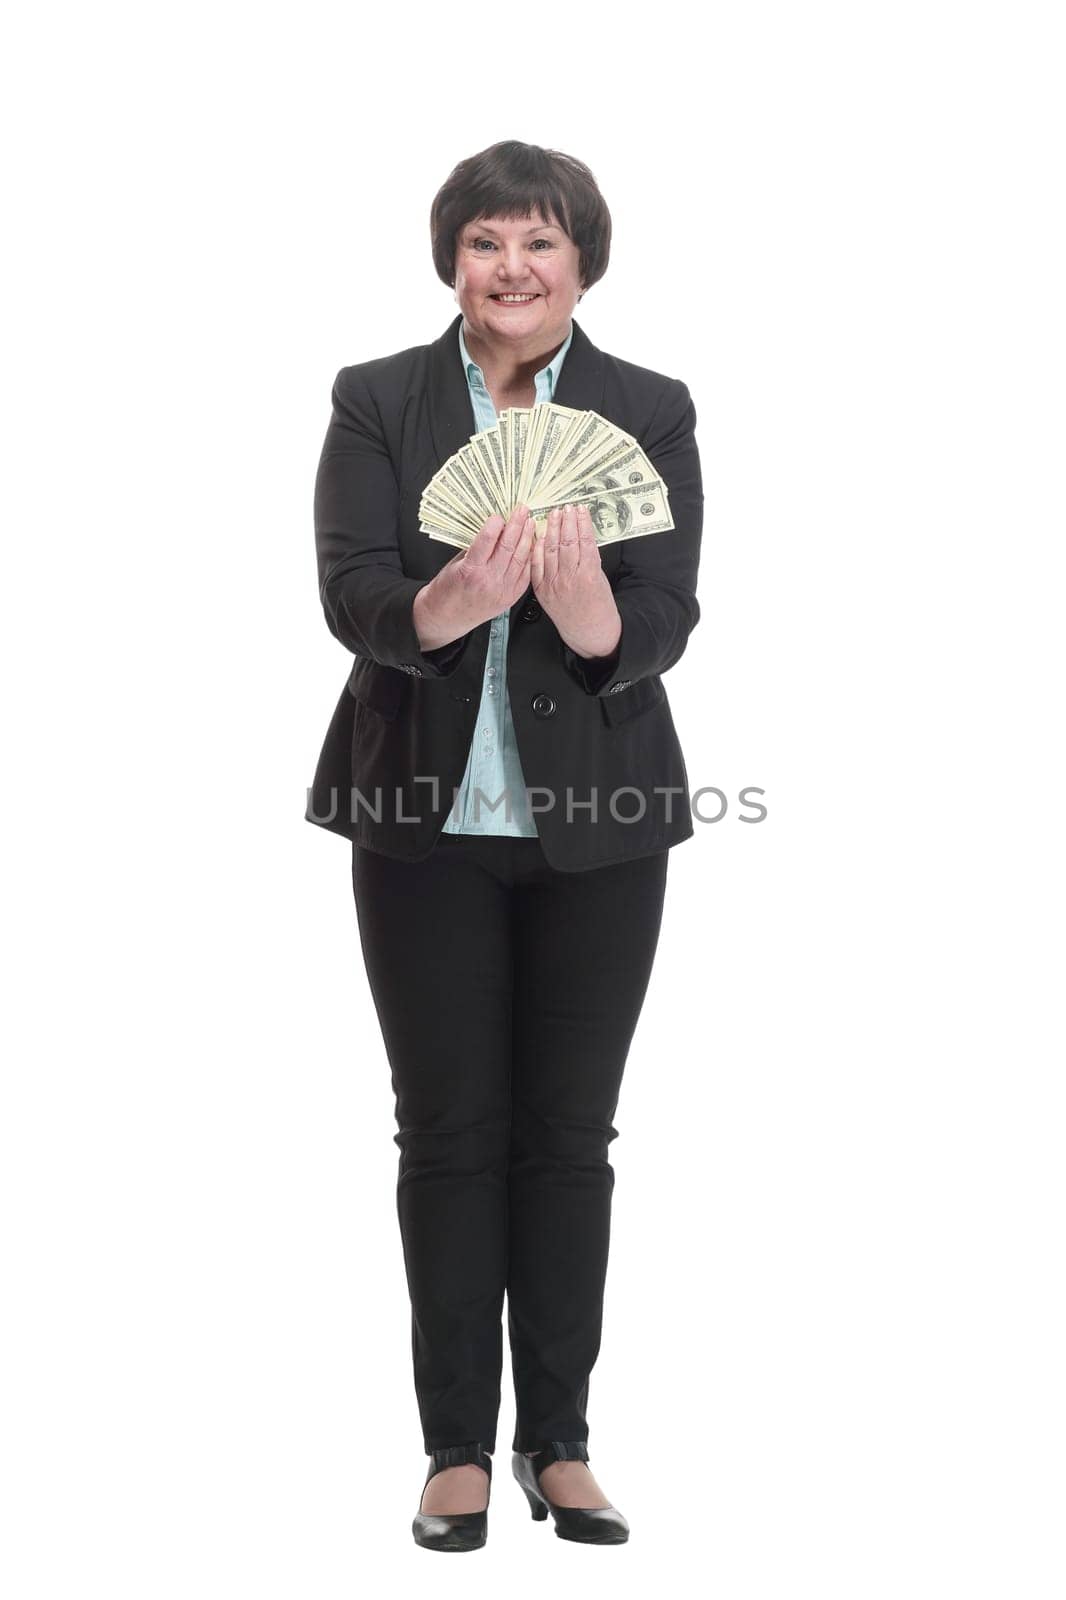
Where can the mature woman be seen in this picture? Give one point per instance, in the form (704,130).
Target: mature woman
(504,761)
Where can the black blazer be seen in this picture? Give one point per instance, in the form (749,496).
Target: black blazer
(596,740)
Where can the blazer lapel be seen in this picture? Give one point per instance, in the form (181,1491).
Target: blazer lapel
(581,381)
(451,417)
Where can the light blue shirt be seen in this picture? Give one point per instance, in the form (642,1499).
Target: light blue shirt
(493,765)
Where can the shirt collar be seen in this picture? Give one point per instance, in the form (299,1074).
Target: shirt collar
(553,368)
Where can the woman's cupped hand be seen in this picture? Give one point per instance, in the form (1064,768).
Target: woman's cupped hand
(489,575)
(570,584)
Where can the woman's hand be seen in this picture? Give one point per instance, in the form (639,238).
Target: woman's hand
(477,584)
(570,583)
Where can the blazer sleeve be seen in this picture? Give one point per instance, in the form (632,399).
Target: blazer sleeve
(366,596)
(655,585)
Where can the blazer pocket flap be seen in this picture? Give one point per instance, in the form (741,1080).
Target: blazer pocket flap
(381,688)
(624,704)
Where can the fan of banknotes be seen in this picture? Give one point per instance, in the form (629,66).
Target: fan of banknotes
(544,456)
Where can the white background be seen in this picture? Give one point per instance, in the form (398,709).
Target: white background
(832,1358)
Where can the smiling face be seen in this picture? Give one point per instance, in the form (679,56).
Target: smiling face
(527,256)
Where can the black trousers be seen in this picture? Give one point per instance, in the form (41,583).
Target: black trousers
(508,994)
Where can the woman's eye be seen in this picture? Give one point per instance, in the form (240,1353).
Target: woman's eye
(477,242)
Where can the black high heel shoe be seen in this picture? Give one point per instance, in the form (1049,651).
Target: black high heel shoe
(454,1530)
(584,1524)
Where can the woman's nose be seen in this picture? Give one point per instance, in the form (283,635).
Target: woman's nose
(512,267)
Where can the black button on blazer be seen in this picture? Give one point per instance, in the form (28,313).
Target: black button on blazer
(604,765)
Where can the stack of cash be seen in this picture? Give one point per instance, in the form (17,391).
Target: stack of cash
(544,456)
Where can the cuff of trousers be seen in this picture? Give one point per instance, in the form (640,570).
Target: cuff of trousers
(545,1451)
(459,1455)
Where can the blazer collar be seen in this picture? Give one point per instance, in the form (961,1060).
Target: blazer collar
(451,419)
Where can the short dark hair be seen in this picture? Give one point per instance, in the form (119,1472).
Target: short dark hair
(512,179)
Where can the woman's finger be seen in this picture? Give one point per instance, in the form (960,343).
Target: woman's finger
(569,549)
(511,534)
(536,561)
(551,546)
(525,544)
(485,542)
(588,550)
